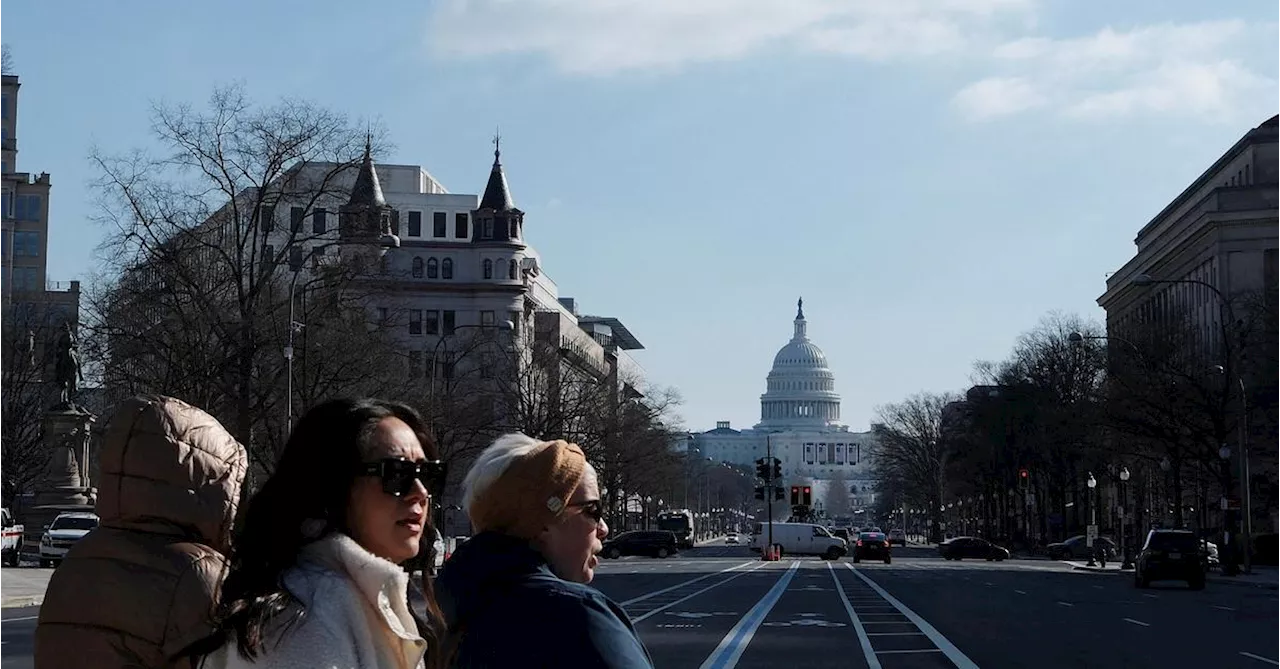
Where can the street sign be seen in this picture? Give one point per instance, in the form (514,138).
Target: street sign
(1090,535)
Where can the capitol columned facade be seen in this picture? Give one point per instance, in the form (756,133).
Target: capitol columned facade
(800,422)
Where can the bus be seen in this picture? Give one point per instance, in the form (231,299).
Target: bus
(679,523)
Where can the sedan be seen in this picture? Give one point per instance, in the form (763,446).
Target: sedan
(959,548)
(873,545)
(732,540)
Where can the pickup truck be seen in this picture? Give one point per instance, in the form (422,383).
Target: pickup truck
(12,534)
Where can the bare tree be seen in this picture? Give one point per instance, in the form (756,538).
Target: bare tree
(29,332)
(198,251)
(6,60)
(910,450)
(836,499)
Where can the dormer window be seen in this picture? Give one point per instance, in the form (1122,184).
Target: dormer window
(512,269)
(488,268)
(486,229)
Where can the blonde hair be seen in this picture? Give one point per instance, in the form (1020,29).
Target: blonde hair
(495,460)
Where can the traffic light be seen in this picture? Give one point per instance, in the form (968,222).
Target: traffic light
(777,469)
(1024,477)
(808,496)
(795,495)
(778,494)
(762,469)
(760,492)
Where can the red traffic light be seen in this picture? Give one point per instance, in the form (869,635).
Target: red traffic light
(1022,473)
(807,490)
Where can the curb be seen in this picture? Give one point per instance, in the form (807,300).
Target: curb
(20,602)
(1218,580)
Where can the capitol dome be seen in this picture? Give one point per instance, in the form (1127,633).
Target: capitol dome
(800,389)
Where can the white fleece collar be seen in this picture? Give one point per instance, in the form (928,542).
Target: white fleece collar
(382,582)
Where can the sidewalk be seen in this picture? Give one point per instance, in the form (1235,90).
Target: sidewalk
(23,586)
(1262,577)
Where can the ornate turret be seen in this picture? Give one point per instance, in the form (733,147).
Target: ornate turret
(365,222)
(497,219)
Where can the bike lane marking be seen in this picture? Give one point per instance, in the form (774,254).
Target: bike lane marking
(949,649)
(691,581)
(872,661)
(664,607)
(731,647)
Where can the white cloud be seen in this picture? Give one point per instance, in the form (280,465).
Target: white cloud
(1189,68)
(602,37)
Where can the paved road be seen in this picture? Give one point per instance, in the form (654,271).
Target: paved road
(720,607)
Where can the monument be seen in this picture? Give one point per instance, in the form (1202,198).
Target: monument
(67,434)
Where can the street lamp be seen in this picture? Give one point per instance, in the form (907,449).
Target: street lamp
(505,326)
(1093,517)
(1127,562)
(1226,314)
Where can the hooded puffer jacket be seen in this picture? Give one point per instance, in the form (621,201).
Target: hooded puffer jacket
(140,588)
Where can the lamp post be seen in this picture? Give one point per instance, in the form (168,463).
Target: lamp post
(1093,517)
(296,260)
(1127,560)
(1226,314)
(505,326)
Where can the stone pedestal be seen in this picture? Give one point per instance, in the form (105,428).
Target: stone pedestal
(64,486)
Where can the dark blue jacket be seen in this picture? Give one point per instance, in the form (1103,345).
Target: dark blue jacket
(505,609)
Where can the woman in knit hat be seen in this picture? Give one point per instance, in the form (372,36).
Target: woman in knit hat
(516,593)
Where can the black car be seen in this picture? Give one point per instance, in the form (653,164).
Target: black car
(959,548)
(1077,548)
(872,545)
(1170,555)
(650,543)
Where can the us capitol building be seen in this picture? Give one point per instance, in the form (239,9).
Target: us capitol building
(800,420)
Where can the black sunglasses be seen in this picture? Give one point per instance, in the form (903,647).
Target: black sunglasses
(592,509)
(399,474)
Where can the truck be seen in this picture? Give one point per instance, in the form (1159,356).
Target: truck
(11,548)
(679,523)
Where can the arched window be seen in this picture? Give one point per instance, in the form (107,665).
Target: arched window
(433,268)
(488,268)
(417,267)
(446,269)
(512,268)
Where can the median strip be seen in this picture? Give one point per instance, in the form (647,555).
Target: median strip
(727,654)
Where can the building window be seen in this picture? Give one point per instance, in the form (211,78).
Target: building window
(433,322)
(296,214)
(433,268)
(488,268)
(439,221)
(486,319)
(416,269)
(383,316)
(446,268)
(461,227)
(513,269)
(267,217)
(450,321)
(318,222)
(415,321)
(486,229)
(26,244)
(415,224)
(513,232)
(515,320)
(28,208)
(395,222)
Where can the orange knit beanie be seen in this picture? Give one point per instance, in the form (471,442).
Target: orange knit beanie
(532,492)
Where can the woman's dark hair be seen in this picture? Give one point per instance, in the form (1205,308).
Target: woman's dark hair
(312,482)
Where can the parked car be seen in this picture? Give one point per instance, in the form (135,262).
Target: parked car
(63,533)
(959,548)
(873,546)
(1170,555)
(1077,548)
(12,533)
(898,536)
(652,543)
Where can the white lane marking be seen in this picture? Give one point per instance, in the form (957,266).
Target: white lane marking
(1259,657)
(664,607)
(1223,608)
(731,647)
(949,649)
(1136,622)
(14,620)
(1097,587)
(918,650)
(1151,596)
(655,593)
(1021,592)
(1066,604)
(867,651)
(895,633)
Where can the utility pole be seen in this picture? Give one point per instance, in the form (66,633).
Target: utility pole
(769,485)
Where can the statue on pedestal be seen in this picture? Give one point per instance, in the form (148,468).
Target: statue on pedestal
(67,372)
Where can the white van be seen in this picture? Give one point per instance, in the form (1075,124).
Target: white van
(800,539)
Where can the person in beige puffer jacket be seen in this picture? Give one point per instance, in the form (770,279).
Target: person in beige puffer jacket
(143,586)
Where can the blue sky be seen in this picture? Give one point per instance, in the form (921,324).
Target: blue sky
(932,176)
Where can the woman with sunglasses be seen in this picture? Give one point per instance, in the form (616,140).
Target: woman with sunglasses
(315,578)
(516,593)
